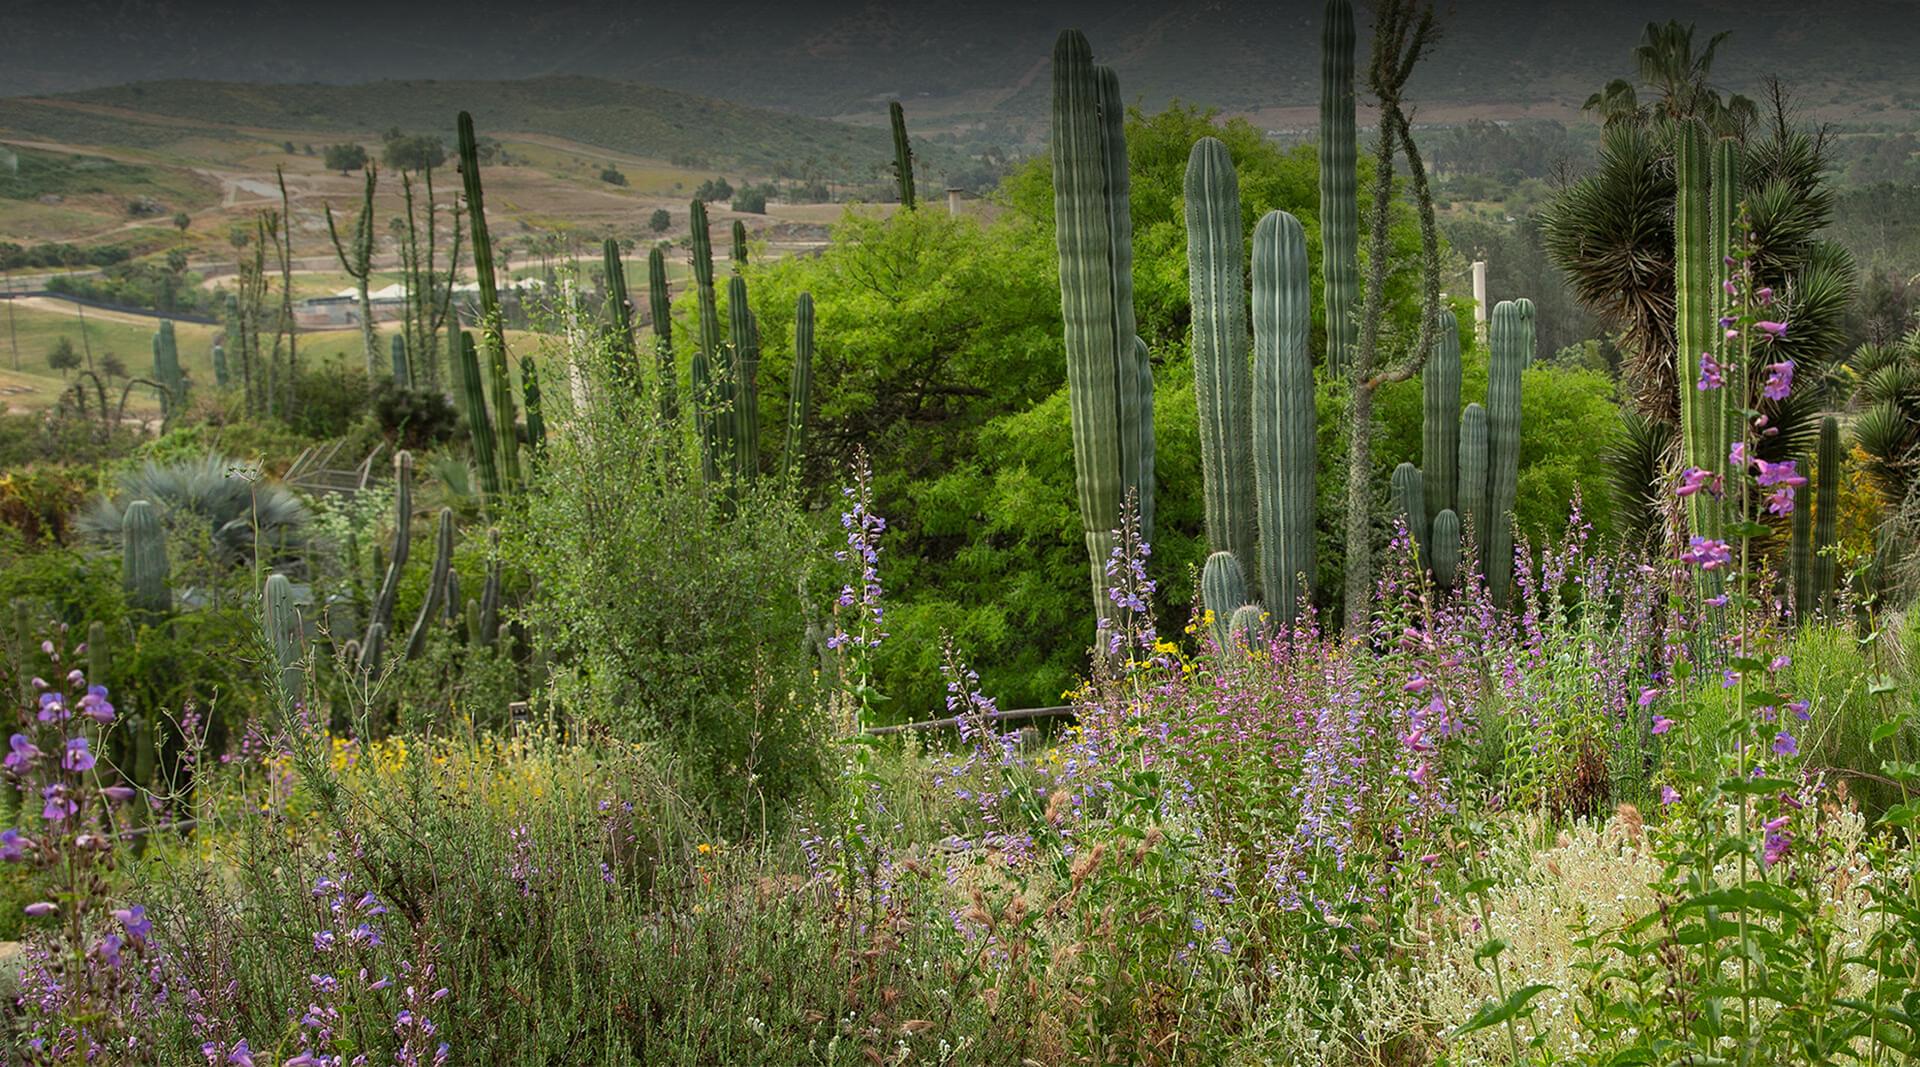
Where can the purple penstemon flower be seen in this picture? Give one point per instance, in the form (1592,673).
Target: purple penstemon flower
(1662,724)
(1697,479)
(1785,744)
(1709,554)
(1781,473)
(1774,330)
(1710,373)
(1737,455)
(23,754)
(1779,381)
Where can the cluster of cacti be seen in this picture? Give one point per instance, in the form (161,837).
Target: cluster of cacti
(1339,184)
(167,370)
(505,444)
(144,571)
(902,154)
(1109,378)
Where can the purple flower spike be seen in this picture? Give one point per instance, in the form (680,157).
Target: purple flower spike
(1764,294)
(1710,376)
(23,754)
(79,757)
(41,908)
(1785,745)
(1661,724)
(1669,795)
(1774,330)
(1779,381)
(1709,554)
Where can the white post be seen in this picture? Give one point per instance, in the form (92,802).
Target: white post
(1480,298)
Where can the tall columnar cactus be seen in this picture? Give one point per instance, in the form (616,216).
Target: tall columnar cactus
(382,613)
(709,387)
(492,324)
(1339,184)
(1223,591)
(739,245)
(536,419)
(1222,383)
(1828,470)
(1512,344)
(800,391)
(221,375)
(1696,303)
(144,571)
(479,425)
(1445,549)
(1801,571)
(744,374)
(1722,216)
(1410,503)
(1440,429)
(660,308)
(280,623)
(1473,473)
(619,309)
(1109,380)
(402,370)
(902,154)
(437,586)
(1284,419)
(167,370)
(489,606)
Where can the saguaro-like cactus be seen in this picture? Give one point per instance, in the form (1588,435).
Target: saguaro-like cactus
(1826,510)
(1445,549)
(1109,380)
(619,309)
(1473,472)
(660,308)
(479,424)
(1696,296)
(221,375)
(492,325)
(800,391)
(402,370)
(1440,429)
(1223,590)
(144,571)
(744,373)
(1222,382)
(1284,419)
(739,245)
(437,586)
(167,371)
(902,154)
(1410,503)
(280,622)
(1512,344)
(1339,183)
(709,387)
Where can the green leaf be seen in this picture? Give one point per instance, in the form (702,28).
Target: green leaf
(1491,1014)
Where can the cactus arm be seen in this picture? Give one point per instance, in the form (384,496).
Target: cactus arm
(492,324)
(1473,473)
(479,424)
(1445,550)
(280,620)
(902,154)
(660,307)
(1410,504)
(1339,184)
(437,586)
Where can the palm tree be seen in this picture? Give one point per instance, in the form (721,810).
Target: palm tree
(1678,77)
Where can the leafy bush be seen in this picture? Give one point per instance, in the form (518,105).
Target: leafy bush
(413,418)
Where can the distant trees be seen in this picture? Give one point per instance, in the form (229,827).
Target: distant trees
(55,254)
(402,152)
(660,220)
(714,189)
(345,158)
(612,176)
(751,199)
(63,357)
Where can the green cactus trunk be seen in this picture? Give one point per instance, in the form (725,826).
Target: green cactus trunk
(382,613)
(280,622)
(1247,630)
(437,587)
(1473,473)
(619,311)
(709,387)
(902,154)
(1828,471)
(492,324)
(1222,381)
(402,371)
(536,420)
(739,246)
(1802,555)
(490,590)
(660,307)
(1410,504)
(479,424)
(1512,348)
(1109,381)
(1440,427)
(1339,184)
(1723,210)
(800,391)
(167,371)
(1284,418)
(744,373)
(1445,549)
(1223,591)
(1696,303)
(144,570)
(221,376)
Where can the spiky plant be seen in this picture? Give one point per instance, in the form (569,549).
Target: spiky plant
(238,512)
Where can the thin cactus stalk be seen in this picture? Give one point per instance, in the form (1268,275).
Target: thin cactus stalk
(1284,419)
(436,586)
(800,391)
(1223,591)
(536,419)
(1109,382)
(167,371)
(1512,345)
(1802,556)
(490,589)
(451,601)
(1440,428)
(619,309)
(221,375)
(1826,511)
(402,370)
(471,618)
(660,307)
(902,154)
(1444,552)
(739,246)
(479,423)
(492,324)
(144,569)
(280,621)
(709,389)
(99,654)
(1339,184)
(382,613)
(1696,303)
(1410,504)
(744,373)
(1473,472)
(1723,209)
(356,258)
(1222,380)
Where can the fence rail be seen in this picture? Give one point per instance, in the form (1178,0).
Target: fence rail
(1013,715)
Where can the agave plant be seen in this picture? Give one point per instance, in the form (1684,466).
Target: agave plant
(1886,394)
(237,511)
